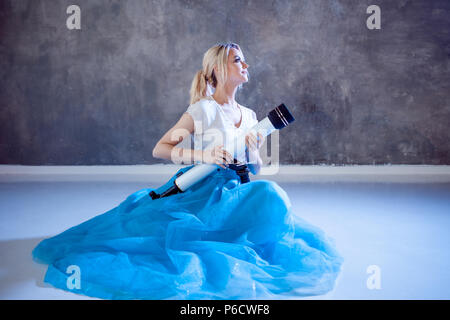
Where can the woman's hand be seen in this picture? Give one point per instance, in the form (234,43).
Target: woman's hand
(218,156)
(253,142)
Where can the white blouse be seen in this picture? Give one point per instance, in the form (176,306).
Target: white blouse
(213,127)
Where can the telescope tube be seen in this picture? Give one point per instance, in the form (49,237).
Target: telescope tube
(277,119)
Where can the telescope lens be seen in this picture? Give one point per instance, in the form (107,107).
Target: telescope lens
(280,117)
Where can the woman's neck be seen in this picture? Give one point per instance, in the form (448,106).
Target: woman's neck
(225,95)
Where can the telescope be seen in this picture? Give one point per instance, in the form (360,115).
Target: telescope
(277,119)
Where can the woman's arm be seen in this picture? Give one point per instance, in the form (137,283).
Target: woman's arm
(166,148)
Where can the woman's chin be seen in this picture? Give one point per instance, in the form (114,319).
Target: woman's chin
(240,81)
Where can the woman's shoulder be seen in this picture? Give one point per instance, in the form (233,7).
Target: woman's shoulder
(204,104)
(202,110)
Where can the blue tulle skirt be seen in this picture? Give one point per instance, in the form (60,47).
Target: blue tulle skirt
(218,240)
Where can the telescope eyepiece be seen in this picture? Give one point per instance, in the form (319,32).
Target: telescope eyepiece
(280,117)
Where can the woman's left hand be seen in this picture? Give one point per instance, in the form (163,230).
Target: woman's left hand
(254,142)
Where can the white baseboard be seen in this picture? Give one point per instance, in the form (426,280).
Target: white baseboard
(160,173)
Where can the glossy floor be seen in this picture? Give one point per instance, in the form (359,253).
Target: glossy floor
(400,229)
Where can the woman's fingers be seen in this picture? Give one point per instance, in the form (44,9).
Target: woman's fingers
(251,141)
(254,142)
(222,157)
(227,156)
(220,164)
(221,154)
(260,140)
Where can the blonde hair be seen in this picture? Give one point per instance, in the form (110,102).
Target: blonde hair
(216,55)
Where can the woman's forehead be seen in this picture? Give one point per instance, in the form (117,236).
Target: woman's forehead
(235,52)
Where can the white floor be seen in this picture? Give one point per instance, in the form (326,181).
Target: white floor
(401,226)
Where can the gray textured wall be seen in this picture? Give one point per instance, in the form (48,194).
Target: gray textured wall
(107,93)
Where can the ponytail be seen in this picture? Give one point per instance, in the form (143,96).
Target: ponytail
(198,87)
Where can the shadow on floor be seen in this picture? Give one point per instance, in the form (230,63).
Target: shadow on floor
(17,265)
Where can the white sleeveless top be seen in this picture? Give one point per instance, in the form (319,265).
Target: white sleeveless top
(213,127)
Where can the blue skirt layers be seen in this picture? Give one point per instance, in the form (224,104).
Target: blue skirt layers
(218,240)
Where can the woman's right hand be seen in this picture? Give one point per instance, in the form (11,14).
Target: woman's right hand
(218,156)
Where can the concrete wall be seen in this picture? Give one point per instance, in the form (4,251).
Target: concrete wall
(105,94)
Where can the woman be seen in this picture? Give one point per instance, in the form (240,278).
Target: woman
(203,111)
(220,239)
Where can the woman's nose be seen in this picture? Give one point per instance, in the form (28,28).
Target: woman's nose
(244,65)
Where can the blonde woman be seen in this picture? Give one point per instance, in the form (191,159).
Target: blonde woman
(215,115)
(223,238)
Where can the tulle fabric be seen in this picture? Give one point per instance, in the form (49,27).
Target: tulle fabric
(219,240)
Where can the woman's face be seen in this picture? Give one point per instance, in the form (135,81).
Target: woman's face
(236,67)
